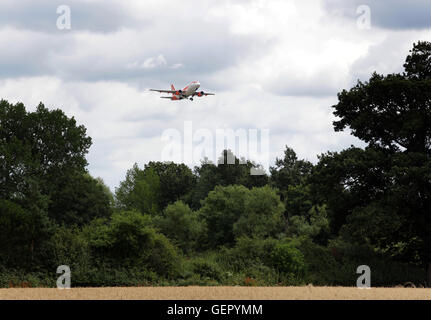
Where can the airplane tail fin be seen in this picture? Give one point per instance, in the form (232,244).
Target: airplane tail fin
(172,87)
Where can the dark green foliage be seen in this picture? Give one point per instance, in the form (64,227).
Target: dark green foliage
(247,252)
(42,145)
(236,211)
(181,225)
(392,111)
(290,171)
(207,269)
(288,259)
(140,191)
(24,236)
(381,195)
(128,240)
(262,216)
(220,210)
(418,62)
(79,199)
(229,170)
(298,200)
(313,225)
(176,181)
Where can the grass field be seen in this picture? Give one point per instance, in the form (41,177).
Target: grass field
(217,293)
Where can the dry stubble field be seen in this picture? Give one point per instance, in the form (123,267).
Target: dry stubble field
(217,293)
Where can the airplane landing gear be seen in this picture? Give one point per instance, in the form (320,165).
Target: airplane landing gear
(191,99)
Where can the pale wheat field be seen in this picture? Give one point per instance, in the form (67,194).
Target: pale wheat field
(217,293)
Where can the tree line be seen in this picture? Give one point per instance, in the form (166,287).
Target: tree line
(168,224)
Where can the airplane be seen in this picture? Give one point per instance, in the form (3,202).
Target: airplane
(187,93)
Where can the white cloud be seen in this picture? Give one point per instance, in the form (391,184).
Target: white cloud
(149,63)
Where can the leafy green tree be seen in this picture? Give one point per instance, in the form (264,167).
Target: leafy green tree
(391,111)
(263,215)
(347,180)
(288,259)
(129,240)
(181,225)
(139,191)
(229,170)
(384,191)
(79,199)
(43,145)
(45,150)
(220,210)
(291,176)
(298,200)
(289,171)
(25,232)
(314,225)
(71,248)
(176,180)
(235,211)
(232,170)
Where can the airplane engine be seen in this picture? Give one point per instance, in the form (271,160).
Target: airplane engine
(179,92)
(200,94)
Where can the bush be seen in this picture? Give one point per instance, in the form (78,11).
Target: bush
(288,259)
(234,211)
(15,278)
(321,266)
(70,248)
(128,240)
(207,269)
(336,265)
(181,225)
(262,275)
(384,270)
(247,252)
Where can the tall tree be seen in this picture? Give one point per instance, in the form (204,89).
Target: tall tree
(139,191)
(78,199)
(234,211)
(45,150)
(176,180)
(44,144)
(289,171)
(382,194)
(229,170)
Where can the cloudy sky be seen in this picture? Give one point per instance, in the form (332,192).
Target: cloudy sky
(274,65)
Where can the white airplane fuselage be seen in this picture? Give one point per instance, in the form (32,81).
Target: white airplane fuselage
(188,92)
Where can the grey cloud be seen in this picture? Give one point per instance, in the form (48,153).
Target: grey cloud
(200,46)
(388,14)
(41,15)
(384,58)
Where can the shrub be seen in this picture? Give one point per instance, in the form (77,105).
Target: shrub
(207,269)
(181,225)
(288,259)
(234,211)
(247,252)
(129,240)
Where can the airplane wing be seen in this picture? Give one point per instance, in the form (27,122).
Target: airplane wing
(203,94)
(164,91)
